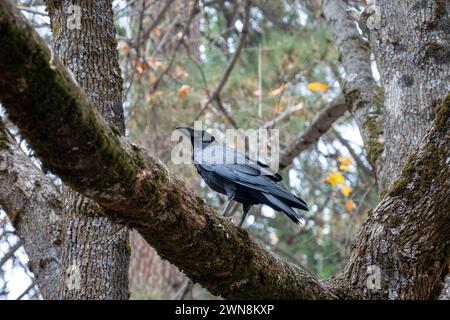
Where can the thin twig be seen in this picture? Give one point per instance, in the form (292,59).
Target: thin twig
(352,152)
(138,52)
(259,81)
(23,294)
(156,22)
(193,13)
(10,253)
(186,286)
(215,96)
(272,123)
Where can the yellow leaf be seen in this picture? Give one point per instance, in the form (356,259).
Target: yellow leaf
(346,190)
(185,89)
(343,167)
(277,91)
(316,86)
(140,67)
(124,46)
(156,31)
(279,107)
(344,160)
(334,178)
(153,78)
(349,205)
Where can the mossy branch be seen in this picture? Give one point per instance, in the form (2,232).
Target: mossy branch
(136,189)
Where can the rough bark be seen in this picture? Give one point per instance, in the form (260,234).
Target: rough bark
(34,208)
(362,94)
(407,236)
(135,188)
(412,50)
(95,251)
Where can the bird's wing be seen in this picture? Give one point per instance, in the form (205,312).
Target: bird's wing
(216,154)
(259,183)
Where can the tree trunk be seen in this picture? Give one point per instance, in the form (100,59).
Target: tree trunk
(405,243)
(95,251)
(412,49)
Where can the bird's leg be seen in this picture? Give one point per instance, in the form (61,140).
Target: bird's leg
(227,207)
(232,209)
(246,208)
(230,195)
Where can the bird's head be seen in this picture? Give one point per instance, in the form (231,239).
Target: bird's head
(196,136)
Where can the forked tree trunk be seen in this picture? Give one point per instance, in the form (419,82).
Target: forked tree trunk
(401,252)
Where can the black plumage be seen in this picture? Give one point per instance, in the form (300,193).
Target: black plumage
(227,171)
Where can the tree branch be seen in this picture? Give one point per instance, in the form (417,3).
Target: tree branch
(10,253)
(352,152)
(311,135)
(363,96)
(237,52)
(34,207)
(135,188)
(195,10)
(25,292)
(215,96)
(155,23)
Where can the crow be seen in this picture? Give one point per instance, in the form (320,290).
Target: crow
(249,182)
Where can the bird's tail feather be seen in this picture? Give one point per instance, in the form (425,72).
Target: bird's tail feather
(298,203)
(288,198)
(278,205)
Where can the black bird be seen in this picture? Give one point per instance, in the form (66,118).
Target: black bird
(227,171)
